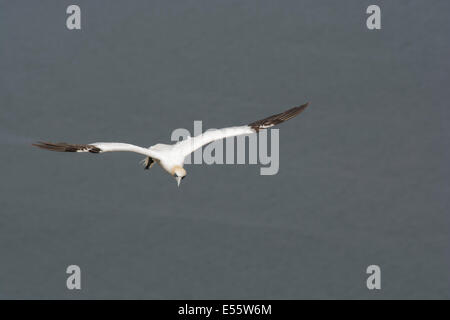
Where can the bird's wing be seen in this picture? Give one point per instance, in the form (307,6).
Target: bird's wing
(191,144)
(97,147)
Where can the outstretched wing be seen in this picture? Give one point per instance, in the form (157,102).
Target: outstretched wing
(97,147)
(191,144)
(277,118)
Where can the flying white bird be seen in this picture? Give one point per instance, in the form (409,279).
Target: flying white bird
(171,157)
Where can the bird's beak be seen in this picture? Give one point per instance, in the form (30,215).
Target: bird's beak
(178,180)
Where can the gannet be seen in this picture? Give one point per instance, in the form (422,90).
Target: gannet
(171,157)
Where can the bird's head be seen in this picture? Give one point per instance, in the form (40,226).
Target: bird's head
(179,173)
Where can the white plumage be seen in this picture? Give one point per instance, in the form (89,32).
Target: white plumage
(171,157)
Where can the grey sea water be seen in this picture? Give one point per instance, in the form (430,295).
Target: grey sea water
(364,171)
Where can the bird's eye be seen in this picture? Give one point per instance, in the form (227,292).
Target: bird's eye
(182,177)
(175,175)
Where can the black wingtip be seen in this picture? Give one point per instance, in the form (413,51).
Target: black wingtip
(47,146)
(67,147)
(300,108)
(278,118)
(38,144)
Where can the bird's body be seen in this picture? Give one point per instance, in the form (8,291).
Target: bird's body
(171,157)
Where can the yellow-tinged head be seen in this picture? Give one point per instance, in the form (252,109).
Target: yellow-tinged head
(178,173)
